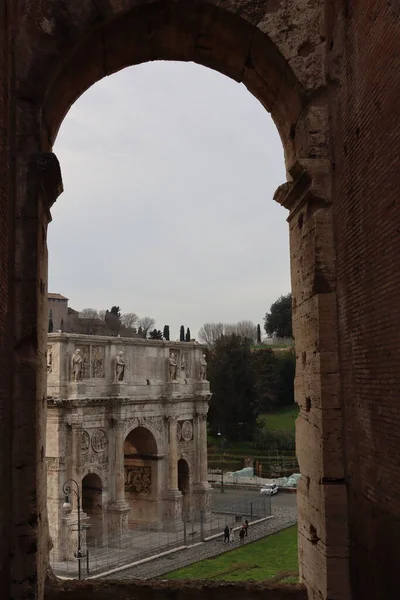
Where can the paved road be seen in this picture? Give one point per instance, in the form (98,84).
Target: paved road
(280,500)
(284,514)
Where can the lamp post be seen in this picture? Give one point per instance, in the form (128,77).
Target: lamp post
(222,461)
(69,488)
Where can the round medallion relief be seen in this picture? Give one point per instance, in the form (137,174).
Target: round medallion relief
(99,440)
(178,432)
(85,442)
(187,431)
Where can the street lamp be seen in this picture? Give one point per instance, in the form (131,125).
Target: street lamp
(68,488)
(222,461)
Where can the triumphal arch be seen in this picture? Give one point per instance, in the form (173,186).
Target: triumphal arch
(127,421)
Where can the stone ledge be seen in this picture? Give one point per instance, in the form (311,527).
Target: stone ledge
(177,590)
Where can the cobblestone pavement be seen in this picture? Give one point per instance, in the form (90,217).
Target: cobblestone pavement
(282,518)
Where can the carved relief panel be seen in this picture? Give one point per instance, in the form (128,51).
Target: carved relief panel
(138,480)
(97,361)
(184,431)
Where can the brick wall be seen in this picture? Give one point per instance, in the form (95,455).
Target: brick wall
(5,355)
(365,60)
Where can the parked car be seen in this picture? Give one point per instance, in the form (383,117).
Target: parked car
(269,489)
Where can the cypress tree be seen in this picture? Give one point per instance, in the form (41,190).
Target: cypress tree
(182,334)
(51,326)
(166,332)
(188,334)
(258,334)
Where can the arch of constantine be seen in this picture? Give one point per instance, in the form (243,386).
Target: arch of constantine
(126,419)
(328,72)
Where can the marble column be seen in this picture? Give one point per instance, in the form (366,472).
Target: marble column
(118,509)
(173,501)
(173,455)
(203,467)
(202,489)
(119,466)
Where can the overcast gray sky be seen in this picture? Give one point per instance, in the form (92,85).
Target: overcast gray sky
(169,172)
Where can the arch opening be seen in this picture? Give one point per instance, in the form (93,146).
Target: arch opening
(92,505)
(184,487)
(141,478)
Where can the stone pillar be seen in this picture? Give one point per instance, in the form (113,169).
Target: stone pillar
(39,184)
(118,508)
(173,503)
(322,490)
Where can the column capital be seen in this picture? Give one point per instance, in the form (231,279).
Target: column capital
(171,419)
(74,422)
(116,423)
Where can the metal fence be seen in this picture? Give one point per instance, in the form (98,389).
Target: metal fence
(148,539)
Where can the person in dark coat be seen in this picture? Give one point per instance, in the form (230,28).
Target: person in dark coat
(226,535)
(241,535)
(246,526)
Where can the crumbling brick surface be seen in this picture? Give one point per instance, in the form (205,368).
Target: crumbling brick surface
(364,58)
(5,251)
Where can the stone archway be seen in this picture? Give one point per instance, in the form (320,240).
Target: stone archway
(184,487)
(92,505)
(141,478)
(58,55)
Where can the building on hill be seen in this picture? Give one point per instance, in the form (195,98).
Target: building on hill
(58,311)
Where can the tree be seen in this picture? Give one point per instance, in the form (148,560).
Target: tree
(246,329)
(146,323)
(278,322)
(182,334)
(115,310)
(89,322)
(140,332)
(166,332)
(102,315)
(51,325)
(258,334)
(129,320)
(187,335)
(234,408)
(156,334)
(210,333)
(266,373)
(286,370)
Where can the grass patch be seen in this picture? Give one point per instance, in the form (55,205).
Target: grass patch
(284,420)
(273,557)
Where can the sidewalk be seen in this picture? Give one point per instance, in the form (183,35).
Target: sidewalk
(142,543)
(282,518)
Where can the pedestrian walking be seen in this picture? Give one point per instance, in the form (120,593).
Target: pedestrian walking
(241,535)
(246,526)
(226,535)
(231,536)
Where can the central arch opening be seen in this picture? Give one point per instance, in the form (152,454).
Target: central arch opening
(141,476)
